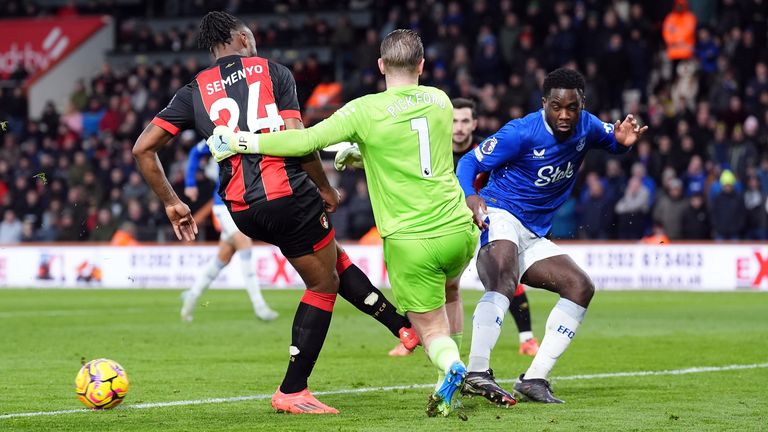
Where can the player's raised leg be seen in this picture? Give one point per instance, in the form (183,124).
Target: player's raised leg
(419,269)
(521,312)
(204,279)
(498,269)
(356,288)
(454,308)
(561,275)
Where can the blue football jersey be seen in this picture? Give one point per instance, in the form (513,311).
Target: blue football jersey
(532,174)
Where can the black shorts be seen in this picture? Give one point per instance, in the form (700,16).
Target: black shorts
(297,225)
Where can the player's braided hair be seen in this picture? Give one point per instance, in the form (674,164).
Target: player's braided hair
(216,29)
(563,78)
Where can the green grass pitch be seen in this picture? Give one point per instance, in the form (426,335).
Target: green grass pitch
(226,353)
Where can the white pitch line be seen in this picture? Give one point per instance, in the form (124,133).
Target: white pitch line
(693,370)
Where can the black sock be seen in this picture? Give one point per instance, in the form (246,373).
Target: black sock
(521,312)
(356,288)
(310,326)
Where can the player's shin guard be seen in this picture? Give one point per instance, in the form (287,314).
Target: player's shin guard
(356,288)
(310,326)
(486,328)
(520,311)
(562,324)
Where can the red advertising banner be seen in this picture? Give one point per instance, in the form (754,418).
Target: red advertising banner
(38,44)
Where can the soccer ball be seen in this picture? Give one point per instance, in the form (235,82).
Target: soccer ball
(101,384)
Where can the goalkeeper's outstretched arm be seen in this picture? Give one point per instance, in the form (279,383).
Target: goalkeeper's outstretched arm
(289,143)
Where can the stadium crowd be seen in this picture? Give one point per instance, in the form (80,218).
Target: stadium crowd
(700,173)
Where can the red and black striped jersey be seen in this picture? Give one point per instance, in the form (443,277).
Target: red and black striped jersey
(248,94)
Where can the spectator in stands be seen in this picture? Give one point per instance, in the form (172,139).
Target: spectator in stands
(92,188)
(756,225)
(670,208)
(32,208)
(679,32)
(613,63)
(657,236)
(729,213)
(639,57)
(49,120)
(686,86)
(67,230)
(707,51)
(695,178)
(762,174)
(110,121)
(79,97)
(125,235)
(615,181)
(696,225)
(158,226)
(105,226)
(632,210)
(596,210)
(76,172)
(135,188)
(756,86)
(10,228)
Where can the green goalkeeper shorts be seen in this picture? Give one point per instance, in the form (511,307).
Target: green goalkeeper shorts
(419,268)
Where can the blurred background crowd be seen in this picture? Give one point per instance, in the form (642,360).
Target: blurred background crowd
(695,71)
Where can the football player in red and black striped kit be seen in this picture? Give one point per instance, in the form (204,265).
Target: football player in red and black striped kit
(282,201)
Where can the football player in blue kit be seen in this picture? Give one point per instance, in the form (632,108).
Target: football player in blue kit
(533,163)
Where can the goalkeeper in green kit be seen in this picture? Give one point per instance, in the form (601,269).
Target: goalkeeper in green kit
(404,136)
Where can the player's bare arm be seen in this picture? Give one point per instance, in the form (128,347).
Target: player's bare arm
(628,132)
(151,140)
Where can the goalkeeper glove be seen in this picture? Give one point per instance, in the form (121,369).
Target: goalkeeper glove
(224,143)
(350,156)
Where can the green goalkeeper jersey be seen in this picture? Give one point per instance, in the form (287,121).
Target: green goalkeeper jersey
(404,135)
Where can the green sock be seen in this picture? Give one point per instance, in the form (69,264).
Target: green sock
(443,352)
